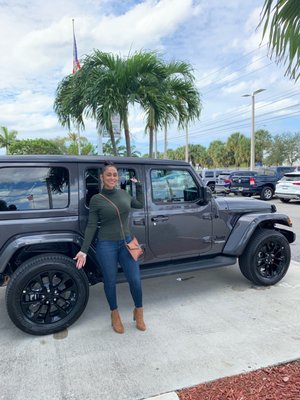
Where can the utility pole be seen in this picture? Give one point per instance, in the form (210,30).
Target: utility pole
(252,153)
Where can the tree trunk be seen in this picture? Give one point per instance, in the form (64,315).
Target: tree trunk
(151,131)
(113,140)
(127,134)
(151,125)
(166,139)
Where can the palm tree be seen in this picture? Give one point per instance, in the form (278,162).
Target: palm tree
(170,96)
(233,148)
(138,79)
(69,101)
(107,85)
(7,137)
(121,149)
(283,19)
(99,76)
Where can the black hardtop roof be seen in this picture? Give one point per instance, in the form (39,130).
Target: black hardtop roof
(87,159)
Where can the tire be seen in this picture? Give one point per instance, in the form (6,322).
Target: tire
(46,294)
(284,200)
(266,193)
(266,258)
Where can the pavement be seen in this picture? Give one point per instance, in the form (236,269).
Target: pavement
(209,324)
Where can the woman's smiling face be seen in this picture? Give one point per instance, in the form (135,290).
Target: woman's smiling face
(110,177)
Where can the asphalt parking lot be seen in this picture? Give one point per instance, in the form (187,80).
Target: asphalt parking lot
(209,324)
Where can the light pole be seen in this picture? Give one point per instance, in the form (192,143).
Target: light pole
(252,153)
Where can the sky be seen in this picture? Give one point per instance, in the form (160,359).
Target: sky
(218,38)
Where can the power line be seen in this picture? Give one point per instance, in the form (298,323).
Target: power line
(237,79)
(233,62)
(239,124)
(231,116)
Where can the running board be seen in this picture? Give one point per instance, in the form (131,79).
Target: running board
(175,267)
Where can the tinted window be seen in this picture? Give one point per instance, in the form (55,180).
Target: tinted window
(93,184)
(243,173)
(170,186)
(266,172)
(291,178)
(224,175)
(30,188)
(209,174)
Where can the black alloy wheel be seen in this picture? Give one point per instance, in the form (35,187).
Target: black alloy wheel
(46,294)
(266,259)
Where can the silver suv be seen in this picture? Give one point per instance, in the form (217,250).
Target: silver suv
(209,177)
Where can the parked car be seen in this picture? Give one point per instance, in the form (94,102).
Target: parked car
(222,183)
(44,204)
(283,169)
(261,182)
(224,180)
(288,188)
(209,177)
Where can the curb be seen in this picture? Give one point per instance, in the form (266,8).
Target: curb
(165,396)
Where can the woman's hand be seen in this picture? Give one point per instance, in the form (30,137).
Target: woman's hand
(134,180)
(80,259)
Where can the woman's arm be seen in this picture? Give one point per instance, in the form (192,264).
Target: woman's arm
(89,234)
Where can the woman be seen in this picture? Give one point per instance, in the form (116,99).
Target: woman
(111,248)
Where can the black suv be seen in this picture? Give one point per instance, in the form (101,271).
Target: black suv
(44,202)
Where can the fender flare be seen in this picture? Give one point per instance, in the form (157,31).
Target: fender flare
(247,225)
(18,242)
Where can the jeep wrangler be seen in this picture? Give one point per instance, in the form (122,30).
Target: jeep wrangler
(44,204)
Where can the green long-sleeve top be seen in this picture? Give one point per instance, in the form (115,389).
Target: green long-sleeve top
(101,211)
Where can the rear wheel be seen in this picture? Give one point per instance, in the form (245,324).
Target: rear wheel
(46,294)
(266,258)
(266,193)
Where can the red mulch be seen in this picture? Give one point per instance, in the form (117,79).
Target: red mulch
(281,382)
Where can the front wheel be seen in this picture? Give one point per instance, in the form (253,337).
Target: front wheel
(266,258)
(46,294)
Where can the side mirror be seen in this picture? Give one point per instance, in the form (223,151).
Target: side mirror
(205,195)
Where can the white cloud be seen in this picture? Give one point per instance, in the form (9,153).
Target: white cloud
(221,42)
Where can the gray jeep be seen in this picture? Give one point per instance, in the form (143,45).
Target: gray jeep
(44,203)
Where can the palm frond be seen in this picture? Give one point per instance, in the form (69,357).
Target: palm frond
(283,21)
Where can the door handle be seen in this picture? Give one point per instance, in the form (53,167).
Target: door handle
(159,218)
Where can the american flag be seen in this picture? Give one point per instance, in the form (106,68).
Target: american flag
(76,63)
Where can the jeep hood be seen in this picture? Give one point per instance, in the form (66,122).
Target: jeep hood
(244,205)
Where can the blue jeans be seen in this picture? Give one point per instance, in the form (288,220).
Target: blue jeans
(109,253)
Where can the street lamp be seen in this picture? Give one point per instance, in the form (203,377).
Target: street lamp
(252,154)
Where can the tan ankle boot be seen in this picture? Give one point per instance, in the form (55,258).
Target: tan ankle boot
(116,322)
(138,317)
